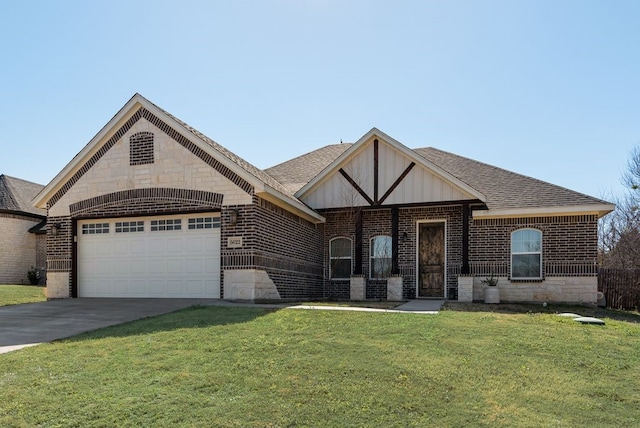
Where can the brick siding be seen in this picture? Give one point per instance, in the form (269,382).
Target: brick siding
(148,202)
(569,244)
(285,245)
(141,148)
(377,221)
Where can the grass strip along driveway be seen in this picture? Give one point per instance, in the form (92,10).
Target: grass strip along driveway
(254,367)
(19,294)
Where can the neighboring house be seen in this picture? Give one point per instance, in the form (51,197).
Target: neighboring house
(22,242)
(153,208)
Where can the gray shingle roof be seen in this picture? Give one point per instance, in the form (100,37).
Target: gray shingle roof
(295,173)
(16,195)
(503,189)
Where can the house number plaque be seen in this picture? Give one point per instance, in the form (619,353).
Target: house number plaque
(234,242)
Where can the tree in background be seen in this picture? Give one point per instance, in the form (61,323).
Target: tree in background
(620,230)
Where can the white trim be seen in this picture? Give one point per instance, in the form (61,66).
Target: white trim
(511,253)
(446,243)
(272,195)
(358,145)
(599,209)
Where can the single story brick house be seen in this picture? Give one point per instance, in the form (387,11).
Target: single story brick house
(22,238)
(151,207)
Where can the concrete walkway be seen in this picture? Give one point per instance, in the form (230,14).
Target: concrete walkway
(34,323)
(413,306)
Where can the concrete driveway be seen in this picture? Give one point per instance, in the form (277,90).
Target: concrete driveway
(34,323)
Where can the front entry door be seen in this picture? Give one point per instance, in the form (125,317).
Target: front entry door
(431,259)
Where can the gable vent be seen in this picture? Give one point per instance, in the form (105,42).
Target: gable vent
(141,148)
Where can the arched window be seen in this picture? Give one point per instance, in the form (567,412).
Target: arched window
(141,148)
(380,257)
(526,254)
(340,258)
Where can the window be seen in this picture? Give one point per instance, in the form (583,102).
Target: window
(380,266)
(204,223)
(141,148)
(95,228)
(340,258)
(526,254)
(129,226)
(169,224)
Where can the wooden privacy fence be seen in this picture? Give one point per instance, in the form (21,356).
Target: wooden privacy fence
(621,288)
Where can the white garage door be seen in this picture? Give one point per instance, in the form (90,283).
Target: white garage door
(160,256)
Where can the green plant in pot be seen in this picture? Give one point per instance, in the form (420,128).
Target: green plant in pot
(490,281)
(491,293)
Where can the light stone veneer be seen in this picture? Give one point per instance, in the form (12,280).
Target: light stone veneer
(58,285)
(394,288)
(357,289)
(556,289)
(249,284)
(465,289)
(173,167)
(19,252)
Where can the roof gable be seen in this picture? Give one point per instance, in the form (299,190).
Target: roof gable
(378,170)
(246,176)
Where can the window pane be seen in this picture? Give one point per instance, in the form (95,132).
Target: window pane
(341,247)
(381,246)
(340,268)
(526,241)
(380,267)
(525,266)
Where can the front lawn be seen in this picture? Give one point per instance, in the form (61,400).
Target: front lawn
(252,367)
(18,294)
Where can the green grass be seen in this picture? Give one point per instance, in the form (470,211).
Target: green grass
(251,367)
(19,294)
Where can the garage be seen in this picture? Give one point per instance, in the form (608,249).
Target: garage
(176,256)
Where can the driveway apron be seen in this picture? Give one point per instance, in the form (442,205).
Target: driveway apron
(34,323)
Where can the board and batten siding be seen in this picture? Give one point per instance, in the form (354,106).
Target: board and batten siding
(419,186)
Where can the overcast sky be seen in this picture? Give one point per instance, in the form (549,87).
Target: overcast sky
(549,89)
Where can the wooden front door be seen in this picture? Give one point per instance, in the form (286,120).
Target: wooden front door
(431,266)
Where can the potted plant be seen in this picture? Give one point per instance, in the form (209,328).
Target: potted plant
(491,292)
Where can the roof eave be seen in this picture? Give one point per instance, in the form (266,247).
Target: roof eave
(598,209)
(272,195)
(24,214)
